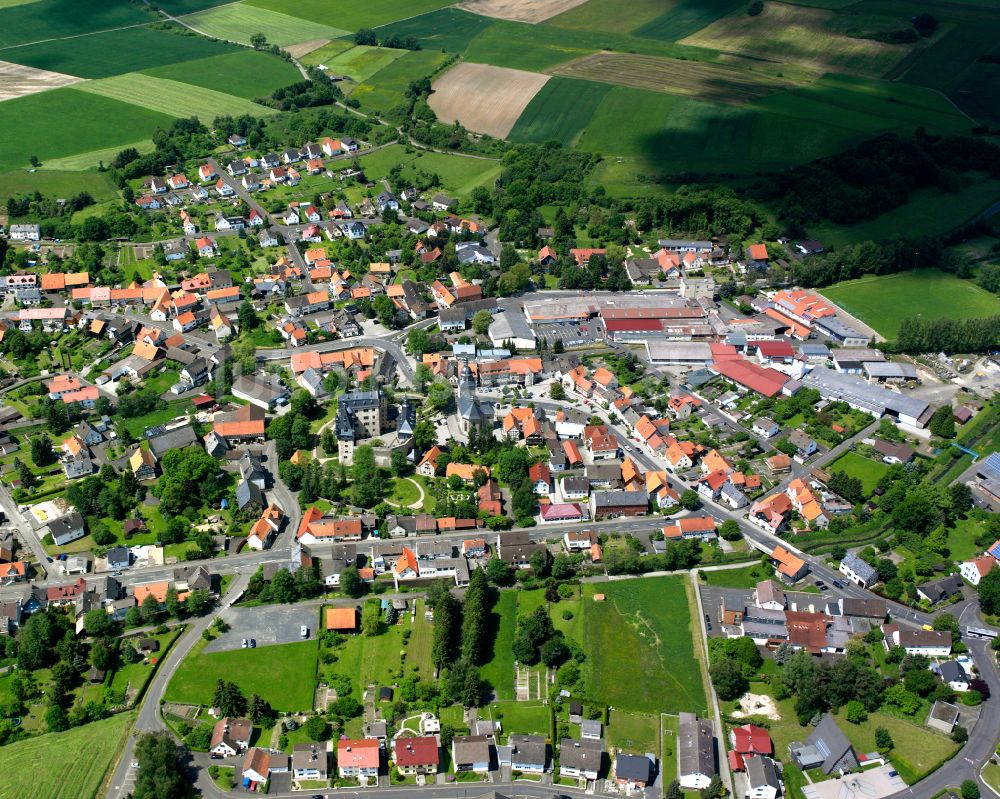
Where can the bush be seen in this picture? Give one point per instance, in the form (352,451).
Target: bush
(972,698)
(755,8)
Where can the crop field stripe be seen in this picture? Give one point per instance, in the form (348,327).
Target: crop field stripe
(449,29)
(239,21)
(364,14)
(685,18)
(92,158)
(560,111)
(605,15)
(174,98)
(246,73)
(54,19)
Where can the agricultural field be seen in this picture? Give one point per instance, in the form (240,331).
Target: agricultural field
(358,63)
(53,19)
(884,301)
(384,90)
(244,73)
(532,11)
(83,161)
(684,17)
(237,22)
(807,36)
(37,125)
(370,14)
(174,98)
(484,98)
(449,29)
(868,471)
(102,55)
(63,764)
(284,674)
(707,81)
(17,80)
(61,183)
(605,15)
(560,111)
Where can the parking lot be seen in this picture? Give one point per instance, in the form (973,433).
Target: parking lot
(570,335)
(268,625)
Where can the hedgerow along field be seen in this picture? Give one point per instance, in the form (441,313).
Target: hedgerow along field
(885,300)
(63,764)
(367,14)
(237,22)
(41,125)
(560,111)
(102,55)
(174,98)
(245,73)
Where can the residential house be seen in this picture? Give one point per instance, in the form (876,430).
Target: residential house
(932,643)
(827,748)
(471,753)
(857,571)
(581,758)
(695,752)
(358,757)
(230,737)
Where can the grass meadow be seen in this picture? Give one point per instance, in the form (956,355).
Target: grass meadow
(868,471)
(244,73)
(459,175)
(174,98)
(560,111)
(884,301)
(605,15)
(102,55)
(384,90)
(284,674)
(38,125)
(359,62)
(449,29)
(239,21)
(60,183)
(63,764)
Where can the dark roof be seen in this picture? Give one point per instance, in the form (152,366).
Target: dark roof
(530,749)
(936,590)
(830,741)
(632,767)
(177,438)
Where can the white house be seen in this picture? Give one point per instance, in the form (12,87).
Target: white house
(857,571)
(932,643)
(976,569)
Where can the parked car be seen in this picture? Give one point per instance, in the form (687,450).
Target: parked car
(245,643)
(253,643)
(304,632)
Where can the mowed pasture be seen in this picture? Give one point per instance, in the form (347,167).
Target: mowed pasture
(66,122)
(92,158)
(707,81)
(53,19)
(384,90)
(885,301)
(174,98)
(358,63)
(532,11)
(458,174)
(56,182)
(63,764)
(237,22)
(101,55)
(368,14)
(245,73)
(484,98)
(810,37)
(560,111)
(449,29)
(17,80)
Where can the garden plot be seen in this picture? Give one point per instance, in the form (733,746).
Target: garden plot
(17,80)
(483,98)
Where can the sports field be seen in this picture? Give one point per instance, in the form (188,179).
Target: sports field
(39,125)
(102,55)
(795,34)
(368,14)
(284,675)
(719,83)
(484,98)
(63,764)
(173,98)
(884,301)
(868,471)
(237,22)
(560,111)
(245,73)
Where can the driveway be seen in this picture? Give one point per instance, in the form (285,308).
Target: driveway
(268,624)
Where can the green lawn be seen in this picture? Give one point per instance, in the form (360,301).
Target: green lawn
(747,577)
(284,675)
(528,718)
(404,492)
(884,301)
(137,424)
(35,125)
(246,73)
(458,174)
(633,732)
(498,671)
(135,676)
(868,471)
(650,619)
(63,764)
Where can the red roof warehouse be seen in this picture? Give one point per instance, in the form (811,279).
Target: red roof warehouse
(764,381)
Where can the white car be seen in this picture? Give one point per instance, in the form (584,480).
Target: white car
(246,643)
(304,631)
